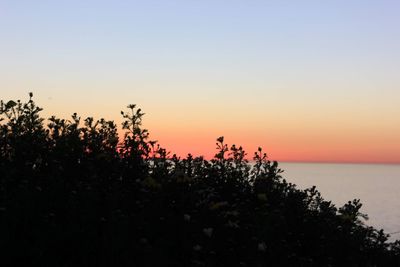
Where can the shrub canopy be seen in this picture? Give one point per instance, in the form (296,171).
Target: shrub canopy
(73,193)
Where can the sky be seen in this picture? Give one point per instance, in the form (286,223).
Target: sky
(314,81)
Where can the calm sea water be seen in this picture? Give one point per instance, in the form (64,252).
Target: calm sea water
(378,187)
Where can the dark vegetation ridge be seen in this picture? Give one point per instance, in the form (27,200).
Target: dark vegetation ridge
(71,194)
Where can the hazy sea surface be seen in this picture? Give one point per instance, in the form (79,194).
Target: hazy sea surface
(378,187)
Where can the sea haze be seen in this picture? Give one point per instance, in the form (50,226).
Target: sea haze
(378,187)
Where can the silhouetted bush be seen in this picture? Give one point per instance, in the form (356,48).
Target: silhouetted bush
(72,194)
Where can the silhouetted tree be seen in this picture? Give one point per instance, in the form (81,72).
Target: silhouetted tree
(72,193)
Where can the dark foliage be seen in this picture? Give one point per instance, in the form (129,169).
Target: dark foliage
(73,194)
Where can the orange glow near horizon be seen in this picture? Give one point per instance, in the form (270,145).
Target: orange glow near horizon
(286,138)
(283,148)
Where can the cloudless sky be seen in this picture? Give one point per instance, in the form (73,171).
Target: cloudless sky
(306,80)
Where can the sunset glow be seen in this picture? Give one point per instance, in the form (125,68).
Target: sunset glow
(307,81)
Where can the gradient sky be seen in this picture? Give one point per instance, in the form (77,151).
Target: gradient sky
(306,80)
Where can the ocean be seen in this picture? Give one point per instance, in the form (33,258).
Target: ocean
(377,185)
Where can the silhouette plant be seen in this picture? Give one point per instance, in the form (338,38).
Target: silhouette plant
(72,194)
